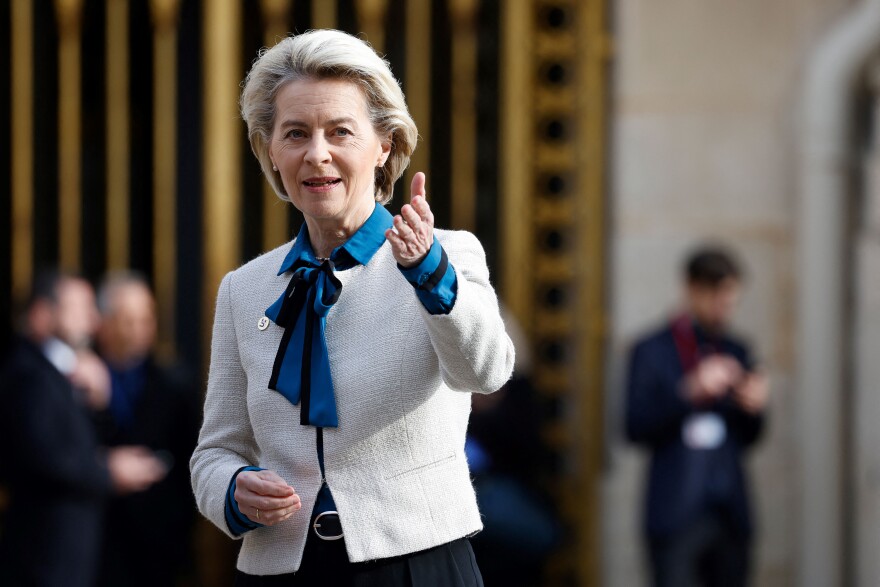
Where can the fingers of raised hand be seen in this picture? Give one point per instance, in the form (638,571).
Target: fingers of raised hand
(418,215)
(420,206)
(408,248)
(405,230)
(418,211)
(412,216)
(413,232)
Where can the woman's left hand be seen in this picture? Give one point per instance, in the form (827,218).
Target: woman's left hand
(413,232)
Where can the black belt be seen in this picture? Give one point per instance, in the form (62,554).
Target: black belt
(327,526)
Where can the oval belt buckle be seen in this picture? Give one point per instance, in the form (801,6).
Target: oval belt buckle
(316,525)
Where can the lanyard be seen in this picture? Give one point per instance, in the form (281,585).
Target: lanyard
(685,336)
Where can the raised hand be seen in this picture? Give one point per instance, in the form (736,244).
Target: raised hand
(413,232)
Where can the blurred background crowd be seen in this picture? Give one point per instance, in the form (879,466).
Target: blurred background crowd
(595,147)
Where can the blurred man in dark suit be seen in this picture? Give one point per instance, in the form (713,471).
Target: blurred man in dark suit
(696,401)
(50,460)
(148,535)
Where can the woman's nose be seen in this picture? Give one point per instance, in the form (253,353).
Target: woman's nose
(318,151)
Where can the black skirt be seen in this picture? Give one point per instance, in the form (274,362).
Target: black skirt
(325,563)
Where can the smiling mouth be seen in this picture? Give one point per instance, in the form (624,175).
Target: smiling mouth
(321,182)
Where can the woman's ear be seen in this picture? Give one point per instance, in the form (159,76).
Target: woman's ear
(385,152)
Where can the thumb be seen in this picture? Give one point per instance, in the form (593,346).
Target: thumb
(418,185)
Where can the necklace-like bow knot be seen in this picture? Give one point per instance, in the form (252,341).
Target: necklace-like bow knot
(301,371)
(302,311)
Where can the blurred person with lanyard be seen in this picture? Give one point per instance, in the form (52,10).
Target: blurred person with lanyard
(696,400)
(343,364)
(146,535)
(57,474)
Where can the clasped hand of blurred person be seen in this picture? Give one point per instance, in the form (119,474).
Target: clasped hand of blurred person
(151,414)
(91,379)
(134,468)
(717,375)
(58,475)
(696,401)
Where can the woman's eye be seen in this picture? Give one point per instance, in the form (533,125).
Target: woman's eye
(294,134)
(342,132)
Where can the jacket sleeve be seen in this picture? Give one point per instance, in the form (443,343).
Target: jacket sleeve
(434,280)
(54,448)
(226,441)
(655,408)
(471,343)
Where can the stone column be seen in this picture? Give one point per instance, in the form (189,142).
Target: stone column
(866,376)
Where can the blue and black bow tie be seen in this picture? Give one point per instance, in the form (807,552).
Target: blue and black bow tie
(301,371)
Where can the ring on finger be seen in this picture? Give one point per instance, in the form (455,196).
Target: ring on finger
(258,513)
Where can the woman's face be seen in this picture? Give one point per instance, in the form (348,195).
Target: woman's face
(326,151)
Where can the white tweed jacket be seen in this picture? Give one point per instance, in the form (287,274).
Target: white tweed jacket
(402,379)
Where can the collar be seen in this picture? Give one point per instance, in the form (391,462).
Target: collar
(361,246)
(60,354)
(705,335)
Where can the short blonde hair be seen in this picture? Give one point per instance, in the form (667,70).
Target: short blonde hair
(328,54)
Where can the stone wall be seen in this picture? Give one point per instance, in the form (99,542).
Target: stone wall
(703,147)
(866,378)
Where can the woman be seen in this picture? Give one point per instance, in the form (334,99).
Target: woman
(342,365)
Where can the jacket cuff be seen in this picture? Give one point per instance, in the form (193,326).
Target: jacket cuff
(237,522)
(434,280)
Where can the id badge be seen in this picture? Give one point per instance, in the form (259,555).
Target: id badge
(704,431)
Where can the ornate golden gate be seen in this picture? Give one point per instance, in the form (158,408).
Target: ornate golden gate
(124,149)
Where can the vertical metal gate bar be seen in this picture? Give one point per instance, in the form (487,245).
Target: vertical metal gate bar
(417,83)
(222,138)
(69,13)
(164,14)
(118,132)
(22,126)
(276,230)
(464,114)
